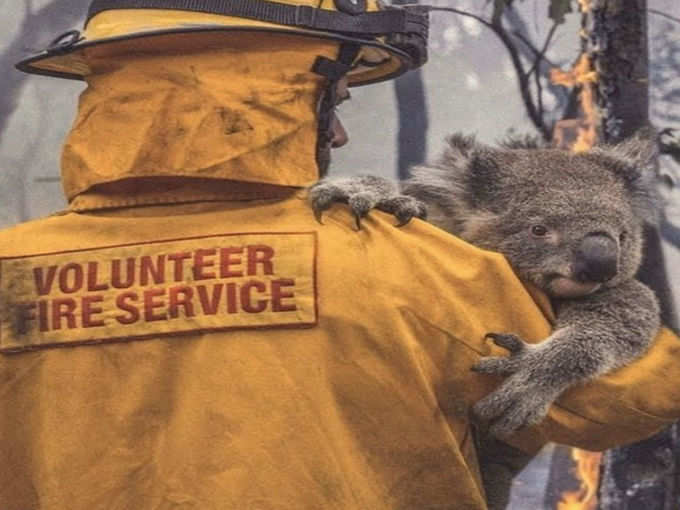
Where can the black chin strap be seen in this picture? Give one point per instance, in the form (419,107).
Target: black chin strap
(333,70)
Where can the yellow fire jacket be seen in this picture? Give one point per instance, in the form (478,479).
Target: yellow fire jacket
(205,344)
(237,362)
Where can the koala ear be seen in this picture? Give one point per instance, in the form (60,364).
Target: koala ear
(634,159)
(464,177)
(478,169)
(526,141)
(639,150)
(485,179)
(443,183)
(459,149)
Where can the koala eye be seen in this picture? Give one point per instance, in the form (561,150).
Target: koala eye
(538,230)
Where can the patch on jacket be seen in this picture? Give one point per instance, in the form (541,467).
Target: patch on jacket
(148,290)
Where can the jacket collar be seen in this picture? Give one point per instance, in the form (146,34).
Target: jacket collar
(210,116)
(141,192)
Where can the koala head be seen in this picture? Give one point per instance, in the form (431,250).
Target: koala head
(569,223)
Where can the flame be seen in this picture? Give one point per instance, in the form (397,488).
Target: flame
(579,134)
(588,472)
(585,5)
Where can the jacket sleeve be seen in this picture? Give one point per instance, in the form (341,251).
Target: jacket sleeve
(625,406)
(460,292)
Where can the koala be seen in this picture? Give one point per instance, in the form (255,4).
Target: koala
(570,224)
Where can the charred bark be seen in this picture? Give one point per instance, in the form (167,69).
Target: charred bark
(413,122)
(640,475)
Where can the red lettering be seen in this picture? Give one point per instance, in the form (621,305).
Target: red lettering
(116,280)
(200,263)
(260,254)
(148,269)
(88,310)
(278,294)
(43,315)
(64,308)
(44,284)
(208,305)
(150,304)
(246,297)
(232,301)
(175,301)
(226,261)
(75,271)
(25,312)
(178,259)
(92,274)
(123,303)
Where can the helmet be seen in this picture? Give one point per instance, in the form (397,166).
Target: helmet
(390,40)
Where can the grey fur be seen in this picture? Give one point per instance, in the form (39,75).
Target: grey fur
(592,207)
(364,193)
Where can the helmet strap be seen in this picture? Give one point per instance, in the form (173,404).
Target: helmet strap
(333,71)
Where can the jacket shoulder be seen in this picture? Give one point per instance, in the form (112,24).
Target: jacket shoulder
(34,235)
(439,278)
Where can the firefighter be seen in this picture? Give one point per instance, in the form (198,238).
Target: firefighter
(186,335)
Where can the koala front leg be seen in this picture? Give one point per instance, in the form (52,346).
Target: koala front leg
(595,334)
(532,385)
(362,194)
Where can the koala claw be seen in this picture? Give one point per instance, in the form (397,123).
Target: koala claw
(508,341)
(519,355)
(360,204)
(405,208)
(323,195)
(363,194)
(318,214)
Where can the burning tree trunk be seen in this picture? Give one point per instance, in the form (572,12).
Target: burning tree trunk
(640,475)
(617,45)
(612,76)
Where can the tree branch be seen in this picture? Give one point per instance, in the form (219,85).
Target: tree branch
(523,79)
(664,15)
(484,22)
(539,54)
(534,113)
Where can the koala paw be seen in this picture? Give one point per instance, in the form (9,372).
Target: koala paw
(363,194)
(516,404)
(524,398)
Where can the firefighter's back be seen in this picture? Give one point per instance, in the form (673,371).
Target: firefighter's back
(233,355)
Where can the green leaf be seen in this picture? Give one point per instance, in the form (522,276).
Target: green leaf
(558,9)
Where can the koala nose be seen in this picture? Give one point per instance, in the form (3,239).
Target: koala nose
(596,258)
